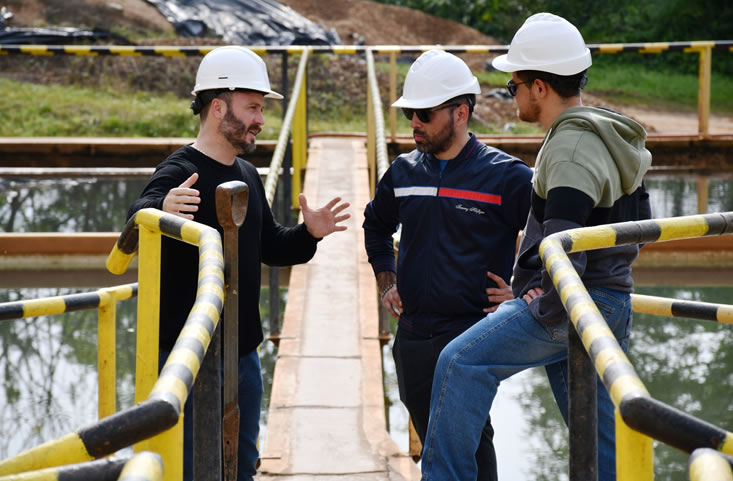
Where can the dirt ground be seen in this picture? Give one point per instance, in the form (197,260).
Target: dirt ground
(355,21)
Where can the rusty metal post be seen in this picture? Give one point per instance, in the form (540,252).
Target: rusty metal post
(207,462)
(231,209)
(582,411)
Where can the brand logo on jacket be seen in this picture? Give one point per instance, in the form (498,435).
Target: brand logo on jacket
(474,210)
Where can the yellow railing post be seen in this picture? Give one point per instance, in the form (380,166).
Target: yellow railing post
(371,142)
(393,95)
(703,92)
(148,311)
(169,444)
(295,122)
(300,138)
(634,453)
(107,354)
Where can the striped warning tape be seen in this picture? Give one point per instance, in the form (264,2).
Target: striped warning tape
(193,51)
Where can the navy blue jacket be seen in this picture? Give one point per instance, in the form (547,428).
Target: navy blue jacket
(456,225)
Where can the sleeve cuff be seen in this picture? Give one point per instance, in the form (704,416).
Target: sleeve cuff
(383,264)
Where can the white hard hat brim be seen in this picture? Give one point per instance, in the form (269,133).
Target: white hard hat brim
(426,103)
(569,67)
(270,94)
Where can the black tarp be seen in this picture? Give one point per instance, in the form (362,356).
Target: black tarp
(244,22)
(56,36)
(51,35)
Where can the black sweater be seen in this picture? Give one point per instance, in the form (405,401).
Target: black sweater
(261,239)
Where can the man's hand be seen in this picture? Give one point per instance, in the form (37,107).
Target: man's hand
(324,221)
(388,294)
(533,294)
(183,199)
(498,294)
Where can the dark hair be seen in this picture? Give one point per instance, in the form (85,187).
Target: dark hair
(566,86)
(468,99)
(204,98)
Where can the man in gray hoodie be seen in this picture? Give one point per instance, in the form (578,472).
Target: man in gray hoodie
(588,172)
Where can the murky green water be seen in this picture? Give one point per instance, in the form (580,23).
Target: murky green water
(48,364)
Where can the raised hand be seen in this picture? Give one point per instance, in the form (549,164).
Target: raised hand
(499,294)
(183,199)
(324,221)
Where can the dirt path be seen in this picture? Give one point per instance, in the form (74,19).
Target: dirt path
(671,122)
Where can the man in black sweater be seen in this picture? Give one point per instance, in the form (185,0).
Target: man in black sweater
(231,84)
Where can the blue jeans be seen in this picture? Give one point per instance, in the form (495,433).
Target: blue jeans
(504,343)
(249,392)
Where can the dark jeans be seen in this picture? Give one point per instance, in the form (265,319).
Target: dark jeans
(415,359)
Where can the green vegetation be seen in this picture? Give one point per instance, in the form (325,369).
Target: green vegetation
(73,109)
(621,21)
(34,110)
(630,84)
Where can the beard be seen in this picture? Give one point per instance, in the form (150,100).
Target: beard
(532,112)
(235,131)
(439,142)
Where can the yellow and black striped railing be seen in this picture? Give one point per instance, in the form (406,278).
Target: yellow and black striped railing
(144,466)
(709,465)
(105,301)
(663,306)
(193,51)
(637,407)
(159,399)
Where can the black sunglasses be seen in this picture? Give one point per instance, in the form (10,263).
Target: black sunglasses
(511,86)
(424,114)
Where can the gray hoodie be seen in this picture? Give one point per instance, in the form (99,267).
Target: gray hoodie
(601,154)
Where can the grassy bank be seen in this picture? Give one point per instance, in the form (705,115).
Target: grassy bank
(32,109)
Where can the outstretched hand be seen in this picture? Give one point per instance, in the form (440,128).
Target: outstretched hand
(499,294)
(324,221)
(183,199)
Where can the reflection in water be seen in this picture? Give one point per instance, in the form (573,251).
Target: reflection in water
(49,370)
(49,367)
(66,205)
(676,195)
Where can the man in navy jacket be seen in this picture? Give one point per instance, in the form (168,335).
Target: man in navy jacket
(461,205)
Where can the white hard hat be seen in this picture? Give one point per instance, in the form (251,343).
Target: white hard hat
(436,76)
(546,43)
(233,67)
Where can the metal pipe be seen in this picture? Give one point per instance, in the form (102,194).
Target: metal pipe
(582,411)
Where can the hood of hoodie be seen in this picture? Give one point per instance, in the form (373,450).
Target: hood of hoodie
(624,138)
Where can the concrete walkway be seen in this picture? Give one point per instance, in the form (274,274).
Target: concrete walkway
(326,419)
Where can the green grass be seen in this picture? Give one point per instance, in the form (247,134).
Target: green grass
(636,85)
(30,109)
(34,110)
(642,86)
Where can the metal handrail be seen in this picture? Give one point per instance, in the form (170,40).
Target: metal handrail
(105,301)
(161,408)
(637,407)
(282,142)
(382,161)
(175,51)
(707,465)
(664,306)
